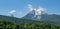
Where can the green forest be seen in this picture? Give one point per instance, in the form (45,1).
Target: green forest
(39,25)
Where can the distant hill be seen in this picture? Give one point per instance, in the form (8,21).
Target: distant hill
(16,20)
(53,18)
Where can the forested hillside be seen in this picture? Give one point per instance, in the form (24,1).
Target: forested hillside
(39,25)
(16,20)
(7,22)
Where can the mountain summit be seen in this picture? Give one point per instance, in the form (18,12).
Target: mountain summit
(35,14)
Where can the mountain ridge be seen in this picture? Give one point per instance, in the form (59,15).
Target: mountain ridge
(16,20)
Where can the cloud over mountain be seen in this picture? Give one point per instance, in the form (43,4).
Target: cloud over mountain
(12,11)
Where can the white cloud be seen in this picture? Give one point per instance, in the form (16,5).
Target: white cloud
(39,11)
(30,7)
(12,11)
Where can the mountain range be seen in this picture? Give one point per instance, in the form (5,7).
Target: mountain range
(30,17)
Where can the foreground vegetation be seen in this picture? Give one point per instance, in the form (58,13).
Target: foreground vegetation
(39,25)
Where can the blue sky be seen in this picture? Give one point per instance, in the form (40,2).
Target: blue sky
(21,6)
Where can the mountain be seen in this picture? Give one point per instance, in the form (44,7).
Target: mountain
(49,18)
(34,15)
